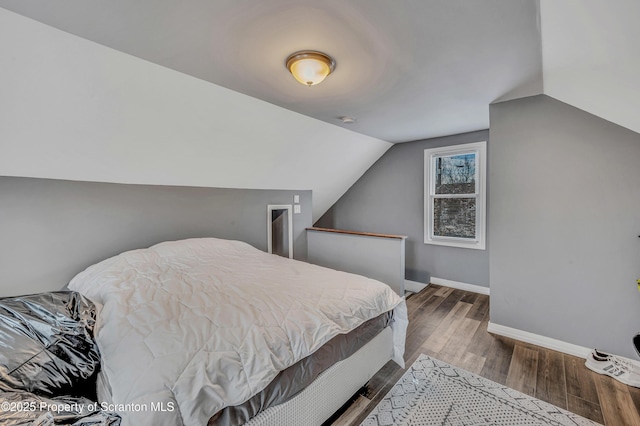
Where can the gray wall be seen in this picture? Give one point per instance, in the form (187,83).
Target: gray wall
(53,229)
(379,258)
(389,198)
(564,224)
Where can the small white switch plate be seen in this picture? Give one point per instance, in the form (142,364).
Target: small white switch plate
(296,199)
(296,208)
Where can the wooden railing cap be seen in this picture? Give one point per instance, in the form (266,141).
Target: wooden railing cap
(364,234)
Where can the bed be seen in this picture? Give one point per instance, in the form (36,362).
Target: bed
(54,229)
(190,329)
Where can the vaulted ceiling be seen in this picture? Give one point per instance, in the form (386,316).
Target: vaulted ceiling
(406,70)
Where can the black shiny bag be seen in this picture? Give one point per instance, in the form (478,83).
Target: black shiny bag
(47,346)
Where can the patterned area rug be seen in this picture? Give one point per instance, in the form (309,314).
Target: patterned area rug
(433,392)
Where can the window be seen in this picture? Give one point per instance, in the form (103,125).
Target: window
(454,195)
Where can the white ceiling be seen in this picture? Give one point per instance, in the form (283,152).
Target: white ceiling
(406,70)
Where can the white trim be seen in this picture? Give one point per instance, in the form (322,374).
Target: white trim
(536,339)
(414,286)
(461,286)
(288,207)
(480,149)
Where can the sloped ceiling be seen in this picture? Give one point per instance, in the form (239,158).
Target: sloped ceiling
(591,56)
(73,109)
(406,70)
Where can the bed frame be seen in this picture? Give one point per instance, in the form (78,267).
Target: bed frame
(322,398)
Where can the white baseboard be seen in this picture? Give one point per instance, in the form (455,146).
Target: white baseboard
(460,286)
(536,339)
(414,286)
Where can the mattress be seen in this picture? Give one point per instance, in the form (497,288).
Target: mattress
(289,382)
(322,398)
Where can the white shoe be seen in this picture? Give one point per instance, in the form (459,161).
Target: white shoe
(634,366)
(613,366)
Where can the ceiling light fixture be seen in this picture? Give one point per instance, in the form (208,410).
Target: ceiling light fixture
(310,67)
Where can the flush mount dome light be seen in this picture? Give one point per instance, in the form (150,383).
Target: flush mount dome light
(310,67)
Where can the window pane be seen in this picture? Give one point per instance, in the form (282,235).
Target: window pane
(454,217)
(456,174)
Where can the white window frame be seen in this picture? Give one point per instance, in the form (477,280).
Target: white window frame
(430,155)
(270,209)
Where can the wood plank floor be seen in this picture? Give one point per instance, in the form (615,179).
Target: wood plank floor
(451,325)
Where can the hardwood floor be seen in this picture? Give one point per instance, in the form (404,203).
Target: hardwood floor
(451,325)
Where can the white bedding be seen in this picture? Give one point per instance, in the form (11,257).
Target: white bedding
(204,323)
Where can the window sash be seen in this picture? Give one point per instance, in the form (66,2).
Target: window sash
(433,195)
(433,168)
(432,228)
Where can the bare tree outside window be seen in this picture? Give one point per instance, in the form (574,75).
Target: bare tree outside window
(456,174)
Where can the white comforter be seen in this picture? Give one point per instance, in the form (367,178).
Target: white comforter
(197,325)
